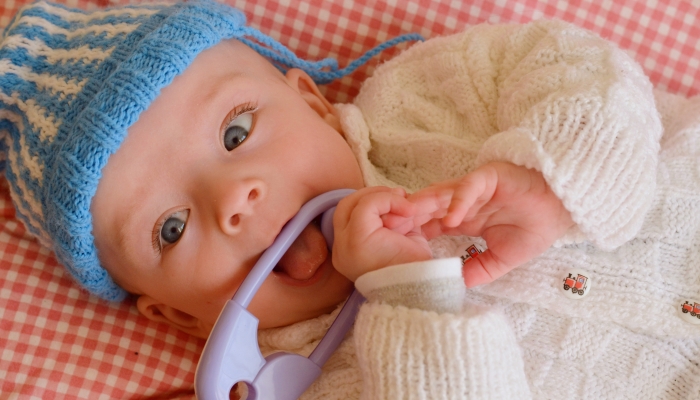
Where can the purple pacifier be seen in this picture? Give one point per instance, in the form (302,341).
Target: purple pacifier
(232,354)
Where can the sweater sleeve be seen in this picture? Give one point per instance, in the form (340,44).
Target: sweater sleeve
(425,351)
(579,110)
(545,95)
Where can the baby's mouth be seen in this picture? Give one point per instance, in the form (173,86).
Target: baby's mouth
(302,261)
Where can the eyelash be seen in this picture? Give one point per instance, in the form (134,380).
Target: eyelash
(155,235)
(237,111)
(158,228)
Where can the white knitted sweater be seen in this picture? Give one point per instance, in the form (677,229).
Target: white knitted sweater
(554,97)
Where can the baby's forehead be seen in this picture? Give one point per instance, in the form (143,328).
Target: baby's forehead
(234,54)
(229,69)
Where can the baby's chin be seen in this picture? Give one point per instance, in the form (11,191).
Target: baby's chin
(342,289)
(325,300)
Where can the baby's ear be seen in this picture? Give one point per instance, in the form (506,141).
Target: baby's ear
(157,311)
(302,83)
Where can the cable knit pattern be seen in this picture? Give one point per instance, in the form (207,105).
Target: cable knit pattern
(546,95)
(625,339)
(410,354)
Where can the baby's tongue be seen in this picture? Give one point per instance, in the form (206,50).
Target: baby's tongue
(305,255)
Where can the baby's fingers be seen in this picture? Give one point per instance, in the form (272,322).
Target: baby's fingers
(370,210)
(471,193)
(432,202)
(397,223)
(347,205)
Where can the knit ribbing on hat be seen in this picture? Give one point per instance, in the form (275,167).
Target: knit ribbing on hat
(72,82)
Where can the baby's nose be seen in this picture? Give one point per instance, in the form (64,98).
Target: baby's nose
(239,203)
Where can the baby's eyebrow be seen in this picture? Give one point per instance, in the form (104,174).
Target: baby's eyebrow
(127,224)
(123,229)
(219,86)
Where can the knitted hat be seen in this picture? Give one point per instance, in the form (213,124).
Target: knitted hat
(72,82)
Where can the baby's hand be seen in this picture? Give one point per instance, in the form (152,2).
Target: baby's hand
(363,243)
(511,207)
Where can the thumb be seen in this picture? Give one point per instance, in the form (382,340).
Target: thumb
(484,268)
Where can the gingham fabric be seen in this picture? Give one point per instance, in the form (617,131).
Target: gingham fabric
(56,341)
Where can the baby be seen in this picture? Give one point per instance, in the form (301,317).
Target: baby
(158,150)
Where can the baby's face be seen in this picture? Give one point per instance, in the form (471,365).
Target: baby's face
(205,181)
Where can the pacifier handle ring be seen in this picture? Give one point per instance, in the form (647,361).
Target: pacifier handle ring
(232,352)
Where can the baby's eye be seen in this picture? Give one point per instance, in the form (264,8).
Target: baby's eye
(237,130)
(172,228)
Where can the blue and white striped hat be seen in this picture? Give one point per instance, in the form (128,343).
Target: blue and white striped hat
(72,82)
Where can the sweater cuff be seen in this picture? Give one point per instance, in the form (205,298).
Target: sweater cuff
(413,354)
(432,285)
(607,191)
